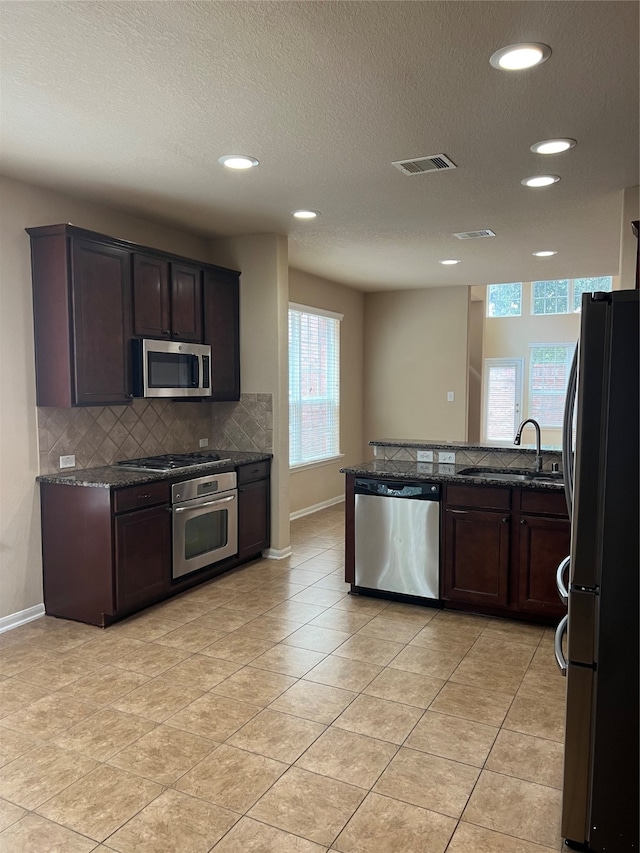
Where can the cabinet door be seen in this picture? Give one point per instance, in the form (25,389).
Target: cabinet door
(476,557)
(143,557)
(222,332)
(150,297)
(543,543)
(253,518)
(102,323)
(186,303)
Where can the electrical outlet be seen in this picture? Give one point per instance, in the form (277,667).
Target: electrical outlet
(204,442)
(450,396)
(447,457)
(68,461)
(425,456)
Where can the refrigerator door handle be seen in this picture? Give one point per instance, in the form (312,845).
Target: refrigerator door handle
(563,592)
(567,433)
(557,644)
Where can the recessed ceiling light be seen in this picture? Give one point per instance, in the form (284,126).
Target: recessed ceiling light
(545,253)
(515,57)
(449,262)
(553,146)
(306,214)
(540,180)
(238,161)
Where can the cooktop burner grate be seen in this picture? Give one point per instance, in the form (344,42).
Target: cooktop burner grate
(169,461)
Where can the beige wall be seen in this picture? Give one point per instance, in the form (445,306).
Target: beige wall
(322,483)
(628,241)
(24,205)
(415,351)
(264,302)
(474,392)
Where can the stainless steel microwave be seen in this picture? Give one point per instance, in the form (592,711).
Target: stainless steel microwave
(171,369)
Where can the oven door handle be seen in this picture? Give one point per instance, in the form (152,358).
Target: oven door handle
(208,503)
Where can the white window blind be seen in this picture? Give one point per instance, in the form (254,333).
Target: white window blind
(314,385)
(503,398)
(548,377)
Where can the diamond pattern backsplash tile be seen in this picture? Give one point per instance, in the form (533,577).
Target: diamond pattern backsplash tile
(102,435)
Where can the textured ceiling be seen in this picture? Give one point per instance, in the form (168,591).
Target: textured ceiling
(132,103)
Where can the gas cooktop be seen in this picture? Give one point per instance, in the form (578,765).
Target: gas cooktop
(169,461)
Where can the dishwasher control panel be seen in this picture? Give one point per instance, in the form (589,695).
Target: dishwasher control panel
(394,489)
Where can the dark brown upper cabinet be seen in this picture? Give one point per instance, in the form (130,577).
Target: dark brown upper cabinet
(167,299)
(93,293)
(222,331)
(82,318)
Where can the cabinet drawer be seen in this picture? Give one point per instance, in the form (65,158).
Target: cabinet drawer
(478,496)
(137,497)
(544,502)
(255,471)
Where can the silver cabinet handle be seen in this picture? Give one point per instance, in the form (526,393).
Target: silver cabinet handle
(459,511)
(208,503)
(563,592)
(557,644)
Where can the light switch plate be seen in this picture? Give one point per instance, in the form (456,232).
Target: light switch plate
(447,457)
(204,442)
(450,396)
(425,456)
(68,461)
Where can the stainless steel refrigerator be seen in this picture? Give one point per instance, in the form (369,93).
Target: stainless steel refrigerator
(600,578)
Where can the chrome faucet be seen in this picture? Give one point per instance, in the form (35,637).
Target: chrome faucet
(537,465)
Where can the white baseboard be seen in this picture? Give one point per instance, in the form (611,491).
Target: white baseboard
(19,618)
(275,554)
(315,508)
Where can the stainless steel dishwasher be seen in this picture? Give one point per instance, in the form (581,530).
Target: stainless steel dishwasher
(397,537)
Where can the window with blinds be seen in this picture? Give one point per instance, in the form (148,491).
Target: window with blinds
(314,385)
(502,398)
(548,377)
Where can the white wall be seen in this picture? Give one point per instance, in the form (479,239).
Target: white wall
(24,205)
(319,484)
(415,351)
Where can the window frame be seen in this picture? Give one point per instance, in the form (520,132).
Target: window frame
(570,348)
(518,361)
(570,295)
(296,402)
(489,316)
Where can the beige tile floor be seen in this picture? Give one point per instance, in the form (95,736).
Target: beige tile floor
(269,711)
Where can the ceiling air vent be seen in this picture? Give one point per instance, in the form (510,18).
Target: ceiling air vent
(419,165)
(470,235)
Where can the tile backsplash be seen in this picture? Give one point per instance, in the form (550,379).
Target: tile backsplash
(102,435)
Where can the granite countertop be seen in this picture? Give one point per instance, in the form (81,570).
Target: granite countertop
(113,477)
(461,445)
(439,473)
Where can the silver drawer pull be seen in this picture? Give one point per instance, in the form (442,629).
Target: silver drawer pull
(557,644)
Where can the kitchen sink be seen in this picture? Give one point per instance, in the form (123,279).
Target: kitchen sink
(514,475)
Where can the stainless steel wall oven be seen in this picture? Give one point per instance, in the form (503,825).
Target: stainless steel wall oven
(205,522)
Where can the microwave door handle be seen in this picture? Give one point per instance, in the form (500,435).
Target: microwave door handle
(195,372)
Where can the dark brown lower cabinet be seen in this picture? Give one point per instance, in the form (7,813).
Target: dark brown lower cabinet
(542,544)
(142,556)
(476,557)
(107,552)
(504,562)
(254,512)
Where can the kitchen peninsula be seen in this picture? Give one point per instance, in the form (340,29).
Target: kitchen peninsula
(503,528)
